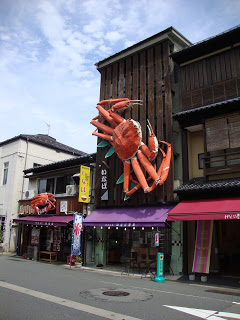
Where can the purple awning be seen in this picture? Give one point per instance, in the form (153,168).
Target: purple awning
(129,217)
(45,220)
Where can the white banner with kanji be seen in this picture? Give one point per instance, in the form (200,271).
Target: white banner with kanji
(76,234)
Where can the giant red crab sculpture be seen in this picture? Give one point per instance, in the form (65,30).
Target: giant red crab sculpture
(43,202)
(126,138)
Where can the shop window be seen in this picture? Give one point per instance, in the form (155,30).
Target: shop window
(46,185)
(62,182)
(5,172)
(200,160)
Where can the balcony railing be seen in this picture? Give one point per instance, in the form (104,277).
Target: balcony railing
(222,162)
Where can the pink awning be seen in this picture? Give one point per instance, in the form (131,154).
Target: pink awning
(45,220)
(206,209)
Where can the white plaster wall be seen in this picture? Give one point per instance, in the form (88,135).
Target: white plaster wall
(21,155)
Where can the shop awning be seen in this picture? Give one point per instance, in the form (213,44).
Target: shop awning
(206,209)
(45,220)
(129,217)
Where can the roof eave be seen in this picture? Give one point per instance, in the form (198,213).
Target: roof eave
(219,42)
(170,34)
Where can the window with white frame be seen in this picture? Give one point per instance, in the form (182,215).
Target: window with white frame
(5,172)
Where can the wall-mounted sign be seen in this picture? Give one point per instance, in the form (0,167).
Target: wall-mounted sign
(84,184)
(125,140)
(26,209)
(63,206)
(104,182)
(43,202)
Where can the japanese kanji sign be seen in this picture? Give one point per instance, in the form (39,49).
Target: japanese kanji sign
(84,184)
(76,234)
(104,182)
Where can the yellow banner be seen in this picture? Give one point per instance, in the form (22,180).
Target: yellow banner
(84,184)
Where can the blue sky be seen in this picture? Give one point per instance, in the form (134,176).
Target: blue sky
(48,49)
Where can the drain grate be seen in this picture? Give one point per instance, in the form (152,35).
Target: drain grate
(116,293)
(231,293)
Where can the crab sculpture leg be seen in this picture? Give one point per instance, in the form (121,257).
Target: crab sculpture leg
(162,171)
(126,138)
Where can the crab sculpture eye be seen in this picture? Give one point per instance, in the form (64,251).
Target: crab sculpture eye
(125,137)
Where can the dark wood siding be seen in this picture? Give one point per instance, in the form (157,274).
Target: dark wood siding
(73,204)
(145,76)
(211,80)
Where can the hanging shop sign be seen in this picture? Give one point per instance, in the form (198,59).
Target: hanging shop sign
(76,234)
(44,202)
(84,184)
(125,138)
(156,239)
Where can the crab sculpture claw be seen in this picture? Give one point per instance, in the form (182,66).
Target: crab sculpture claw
(123,105)
(125,136)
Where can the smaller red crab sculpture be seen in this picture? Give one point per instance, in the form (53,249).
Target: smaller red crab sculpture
(43,202)
(125,136)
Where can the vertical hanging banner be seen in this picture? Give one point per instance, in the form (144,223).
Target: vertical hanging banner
(76,234)
(84,184)
(156,239)
(201,261)
(4,228)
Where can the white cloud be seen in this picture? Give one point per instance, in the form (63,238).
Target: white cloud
(49,48)
(113,36)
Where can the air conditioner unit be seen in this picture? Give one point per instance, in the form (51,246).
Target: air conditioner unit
(71,190)
(29,194)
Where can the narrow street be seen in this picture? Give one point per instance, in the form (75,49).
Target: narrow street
(37,290)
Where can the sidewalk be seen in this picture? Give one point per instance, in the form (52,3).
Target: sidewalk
(212,280)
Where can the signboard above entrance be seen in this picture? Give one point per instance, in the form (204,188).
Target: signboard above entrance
(43,202)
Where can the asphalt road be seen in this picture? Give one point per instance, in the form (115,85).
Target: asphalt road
(36,290)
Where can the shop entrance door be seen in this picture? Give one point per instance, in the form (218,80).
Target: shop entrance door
(229,247)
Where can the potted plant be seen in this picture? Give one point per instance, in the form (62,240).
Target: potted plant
(78,260)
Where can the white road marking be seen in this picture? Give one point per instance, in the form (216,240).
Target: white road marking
(169,292)
(206,314)
(68,303)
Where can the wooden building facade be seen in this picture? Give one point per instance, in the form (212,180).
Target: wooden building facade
(209,103)
(209,116)
(143,72)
